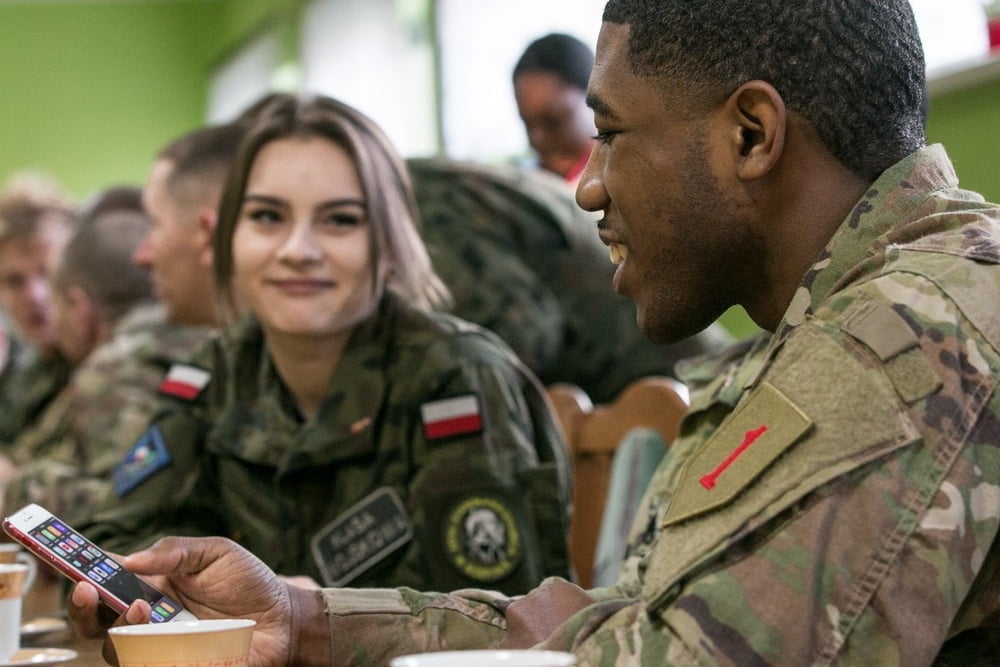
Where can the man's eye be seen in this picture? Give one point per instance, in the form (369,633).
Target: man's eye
(604,137)
(13,282)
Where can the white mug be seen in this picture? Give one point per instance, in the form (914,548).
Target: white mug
(12,578)
(487,658)
(11,552)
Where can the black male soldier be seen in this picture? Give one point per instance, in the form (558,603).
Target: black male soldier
(833,496)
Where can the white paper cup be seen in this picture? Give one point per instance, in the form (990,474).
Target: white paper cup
(11,552)
(487,658)
(188,643)
(12,577)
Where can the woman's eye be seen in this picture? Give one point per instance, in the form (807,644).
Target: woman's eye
(264,216)
(344,219)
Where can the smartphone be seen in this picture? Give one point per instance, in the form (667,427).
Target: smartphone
(72,554)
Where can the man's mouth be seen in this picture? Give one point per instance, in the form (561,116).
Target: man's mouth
(618,253)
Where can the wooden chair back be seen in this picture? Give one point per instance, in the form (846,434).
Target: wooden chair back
(593,433)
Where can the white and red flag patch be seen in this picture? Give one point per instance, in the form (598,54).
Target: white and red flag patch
(185,381)
(452,416)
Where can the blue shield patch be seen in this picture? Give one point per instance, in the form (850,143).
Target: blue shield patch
(145,458)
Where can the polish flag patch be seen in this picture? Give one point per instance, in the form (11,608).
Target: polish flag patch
(452,416)
(185,381)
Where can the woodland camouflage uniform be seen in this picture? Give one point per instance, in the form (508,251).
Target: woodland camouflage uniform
(27,384)
(368,492)
(833,498)
(65,459)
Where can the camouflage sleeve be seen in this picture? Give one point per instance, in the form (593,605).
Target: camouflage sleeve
(489,504)
(157,486)
(372,626)
(66,458)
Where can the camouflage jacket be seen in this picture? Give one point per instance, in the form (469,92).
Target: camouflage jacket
(834,500)
(27,384)
(522,259)
(65,459)
(434,461)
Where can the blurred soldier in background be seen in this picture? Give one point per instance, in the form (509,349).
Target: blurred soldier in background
(35,221)
(110,328)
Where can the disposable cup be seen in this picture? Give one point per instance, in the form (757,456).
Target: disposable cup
(208,643)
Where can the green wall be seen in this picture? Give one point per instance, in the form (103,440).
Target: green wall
(91,89)
(967,122)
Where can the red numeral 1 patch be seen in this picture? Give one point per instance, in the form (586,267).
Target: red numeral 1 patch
(709,480)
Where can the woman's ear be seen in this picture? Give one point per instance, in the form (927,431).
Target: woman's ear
(758,119)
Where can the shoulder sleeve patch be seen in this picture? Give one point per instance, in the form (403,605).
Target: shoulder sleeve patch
(364,535)
(481,539)
(754,436)
(146,457)
(460,415)
(184,381)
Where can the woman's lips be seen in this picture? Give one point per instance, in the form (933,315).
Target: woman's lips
(303,287)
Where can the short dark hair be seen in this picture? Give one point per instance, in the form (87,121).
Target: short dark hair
(854,69)
(202,157)
(114,198)
(563,55)
(98,257)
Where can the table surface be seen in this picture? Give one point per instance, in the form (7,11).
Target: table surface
(47,599)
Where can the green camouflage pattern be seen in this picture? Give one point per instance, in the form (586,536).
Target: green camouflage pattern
(246,466)
(859,527)
(522,259)
(66,458)
(28,382)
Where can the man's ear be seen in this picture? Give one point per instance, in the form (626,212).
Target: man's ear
(208,219)
(758,118)
(83,310)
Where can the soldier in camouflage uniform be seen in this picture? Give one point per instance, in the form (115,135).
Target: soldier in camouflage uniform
(28,384)
(65,459)
(109,327)
(35,221)
(521,258)
(429,459)
(834,494)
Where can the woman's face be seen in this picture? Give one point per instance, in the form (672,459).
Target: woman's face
(301,254)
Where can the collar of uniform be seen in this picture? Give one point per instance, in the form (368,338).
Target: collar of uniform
(890,201)
(343,425)
(719,377)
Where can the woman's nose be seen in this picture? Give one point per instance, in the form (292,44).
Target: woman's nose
(300,245)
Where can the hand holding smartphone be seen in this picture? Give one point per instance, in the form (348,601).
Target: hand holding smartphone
(79,559)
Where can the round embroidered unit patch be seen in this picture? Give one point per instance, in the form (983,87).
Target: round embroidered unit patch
(481,539)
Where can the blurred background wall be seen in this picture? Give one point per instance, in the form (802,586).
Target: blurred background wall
(91,89)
